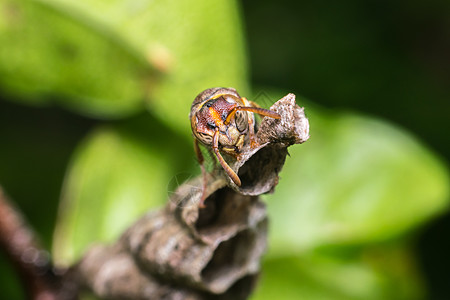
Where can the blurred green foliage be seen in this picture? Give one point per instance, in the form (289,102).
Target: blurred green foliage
(360,180)
(382,57)
(116,174)
(124,73)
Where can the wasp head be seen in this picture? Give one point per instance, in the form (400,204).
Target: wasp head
(212,114)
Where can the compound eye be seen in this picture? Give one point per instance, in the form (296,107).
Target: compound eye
(241,120)
(204,138)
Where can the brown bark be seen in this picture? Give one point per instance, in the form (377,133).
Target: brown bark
(31,261)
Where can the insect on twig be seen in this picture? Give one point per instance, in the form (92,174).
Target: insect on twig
(220,120)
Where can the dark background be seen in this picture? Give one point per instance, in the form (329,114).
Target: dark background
(389,59)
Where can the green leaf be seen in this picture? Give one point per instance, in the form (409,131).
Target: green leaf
(110,58)
(51,53)
(385,273)
(118,173)
(357,180)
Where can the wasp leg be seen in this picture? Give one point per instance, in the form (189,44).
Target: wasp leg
(255,108)
(222,162)
(200,159)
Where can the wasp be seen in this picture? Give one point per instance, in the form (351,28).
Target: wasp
(221,120)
